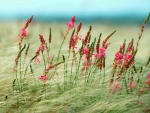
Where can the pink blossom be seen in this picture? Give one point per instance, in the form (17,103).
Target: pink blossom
(88,64)
(23,33)
(41,48)
(133,84)
(100,53)
(130,56)
(43,77)
(119,55)
(36,60)
(42,40)
(85,50)
(127,57)
(148,81)
(102,50)
(74,40)
(117,88)
(71,23)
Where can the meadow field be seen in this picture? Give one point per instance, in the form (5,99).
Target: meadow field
(71,87)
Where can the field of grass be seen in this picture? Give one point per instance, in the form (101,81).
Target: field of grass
(90,92)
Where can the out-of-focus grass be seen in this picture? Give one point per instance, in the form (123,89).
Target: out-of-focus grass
(94,100)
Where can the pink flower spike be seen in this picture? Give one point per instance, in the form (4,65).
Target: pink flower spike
(85,50)
(102,51)
(42,40)
(70,25)
(23,33)
(129,56)
(73,19)
(43,77)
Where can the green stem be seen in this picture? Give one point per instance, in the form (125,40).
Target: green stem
(60,49)
(77,70)
(44,64)
(20,72)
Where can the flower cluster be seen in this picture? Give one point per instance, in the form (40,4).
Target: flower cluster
(101,53)
(74,40)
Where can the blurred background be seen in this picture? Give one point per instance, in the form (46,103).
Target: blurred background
(105,16)
(85,10)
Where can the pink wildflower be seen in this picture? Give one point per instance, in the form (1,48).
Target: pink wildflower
(43,77)
(100,53)
(36,60)
(88,64)
(119,55)
(41,48)
(148,81)
(85,50)
(84,59)
(117,88)
(74,40)
(133,84)
(71,23)
(42,39)
(127,57)
(23,33)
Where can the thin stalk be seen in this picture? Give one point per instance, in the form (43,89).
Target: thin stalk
(17,81)
(44,63)
(60,49)
(77,70)
(20,72)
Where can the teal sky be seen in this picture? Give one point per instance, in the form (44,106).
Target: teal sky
(13,8)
